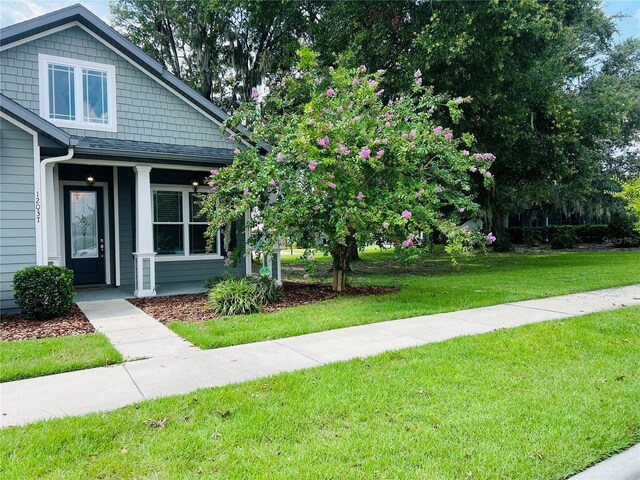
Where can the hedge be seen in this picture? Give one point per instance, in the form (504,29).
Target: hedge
(585,233)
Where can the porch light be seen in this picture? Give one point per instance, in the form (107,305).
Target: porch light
(90,179)
(195,184)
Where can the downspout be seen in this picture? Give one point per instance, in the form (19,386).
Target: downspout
(49,197)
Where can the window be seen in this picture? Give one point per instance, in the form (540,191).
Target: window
(77,94)
(178,230)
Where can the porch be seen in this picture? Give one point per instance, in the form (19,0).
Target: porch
(110,292)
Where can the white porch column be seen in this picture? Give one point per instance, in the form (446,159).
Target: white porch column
(247,255)
(145,268)
(276,271)
(52,220)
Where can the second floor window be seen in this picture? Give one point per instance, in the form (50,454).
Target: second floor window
(77,94)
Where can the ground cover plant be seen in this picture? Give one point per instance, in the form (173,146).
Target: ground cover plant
(33,358)
(429,286)
(542,401)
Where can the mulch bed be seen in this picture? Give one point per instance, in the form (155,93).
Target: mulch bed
(194,308)
(16,327)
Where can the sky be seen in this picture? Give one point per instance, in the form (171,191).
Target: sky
(14,11)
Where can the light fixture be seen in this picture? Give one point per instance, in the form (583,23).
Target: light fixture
(195,184)
(90,179)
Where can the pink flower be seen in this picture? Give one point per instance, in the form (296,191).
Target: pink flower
(412,135)
(372,83)
(387,124)
(214,171)
(332,185)
(385,225)
(465,153)
(331,92)
(360,196)
(356,82)
(438,129)
(419,193)
(478,156)
(448,136)
(419,81)
(312,165)
(280,157)
(305,276)
(417,73)
(340,108)
(459,100)
(311,121)
(411,236)
(272,182)
(236,151)
(489,156)
(380,153)
(344,150)
(405,136)
(385,141)
(379,92)
(483,171)
(330,125)
(231,138)
(461,210)
(331,69)
(473,169)
(388,115)
(406,214)
(254,93)
(488,174)
(357,118)
(365,153)
(246,191)
(323,142)
(407,243)
(491,238)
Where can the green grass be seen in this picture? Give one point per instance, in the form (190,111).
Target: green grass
(432,285)
(33,358)
(541,401)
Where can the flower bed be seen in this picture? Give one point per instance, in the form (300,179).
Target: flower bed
(194,307)
(16,327)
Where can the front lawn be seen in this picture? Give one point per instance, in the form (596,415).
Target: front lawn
(430,286)
(541,401)
(33,358)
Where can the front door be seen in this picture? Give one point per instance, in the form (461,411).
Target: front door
(84,233)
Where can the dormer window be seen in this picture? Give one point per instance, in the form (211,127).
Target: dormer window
(77,94)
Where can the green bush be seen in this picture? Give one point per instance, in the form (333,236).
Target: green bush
(242,295)
(266,289)
(565,239)
(44,292)
(596,233)
(532,237)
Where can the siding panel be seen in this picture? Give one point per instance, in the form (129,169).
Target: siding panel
(17,217)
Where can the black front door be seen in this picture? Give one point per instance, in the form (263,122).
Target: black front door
(84,233)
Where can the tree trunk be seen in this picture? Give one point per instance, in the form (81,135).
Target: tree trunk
(340,259)
(352,245)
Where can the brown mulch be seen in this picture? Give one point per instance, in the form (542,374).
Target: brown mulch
(194,307)
(16,327)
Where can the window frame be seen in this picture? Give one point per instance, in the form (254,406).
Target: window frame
(186,222)
(78,67)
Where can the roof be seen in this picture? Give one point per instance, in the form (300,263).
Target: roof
(78,13)
(128,149)
(34,121)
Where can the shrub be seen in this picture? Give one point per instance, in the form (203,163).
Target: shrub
(234,296)
(532,237)
(566,238)
(44,292)
(266,289)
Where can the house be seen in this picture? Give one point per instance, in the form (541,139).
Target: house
(101,151)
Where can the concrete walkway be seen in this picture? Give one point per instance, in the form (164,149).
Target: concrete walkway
(131,331)
(107,388)
(623,466)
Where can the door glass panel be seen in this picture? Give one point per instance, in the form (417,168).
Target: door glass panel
(84,224)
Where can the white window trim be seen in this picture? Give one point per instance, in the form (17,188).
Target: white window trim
(78,65)
(185,190)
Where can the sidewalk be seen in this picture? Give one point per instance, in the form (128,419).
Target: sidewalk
(131,331)
(623,466)
(107,388)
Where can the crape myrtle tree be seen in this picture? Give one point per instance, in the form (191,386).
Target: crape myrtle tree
(344,164)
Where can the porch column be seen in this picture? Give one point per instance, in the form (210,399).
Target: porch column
(52,220)
(276,272)
(145,268)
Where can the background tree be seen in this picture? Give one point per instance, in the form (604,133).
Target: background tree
(345,164)
(222,48)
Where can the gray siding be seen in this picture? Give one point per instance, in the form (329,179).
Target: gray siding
(126,209)
(17,216)
(146,110)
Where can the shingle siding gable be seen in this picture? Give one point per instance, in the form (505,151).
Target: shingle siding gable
(146,110)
